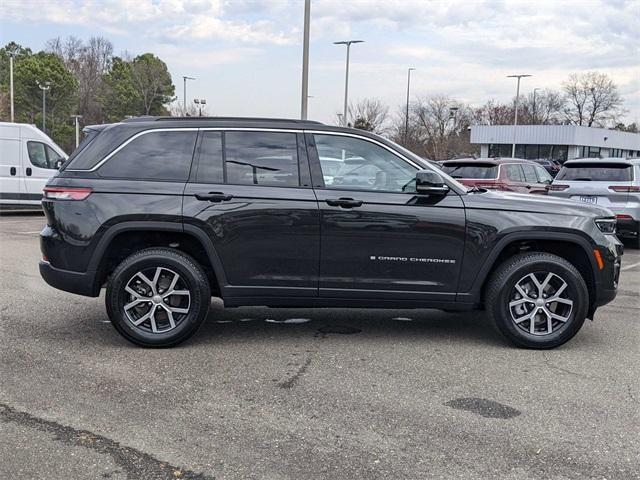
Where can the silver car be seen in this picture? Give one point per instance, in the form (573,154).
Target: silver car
(613,183)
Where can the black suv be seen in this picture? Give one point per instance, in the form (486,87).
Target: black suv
(166,212)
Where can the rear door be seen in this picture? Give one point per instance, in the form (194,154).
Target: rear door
(532,182)
(11,184)
(251,193)
(379,239)
(513,176)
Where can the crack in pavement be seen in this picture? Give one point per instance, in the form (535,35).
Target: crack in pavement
(136,464)
(291,381)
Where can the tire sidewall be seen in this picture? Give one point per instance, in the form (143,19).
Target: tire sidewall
(116,294)
(575,288)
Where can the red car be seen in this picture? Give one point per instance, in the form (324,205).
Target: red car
(508,174)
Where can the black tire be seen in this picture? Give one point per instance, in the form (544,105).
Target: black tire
(501,292)
(187,310)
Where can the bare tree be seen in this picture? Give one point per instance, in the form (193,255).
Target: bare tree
(592,99)
(369,114)
(542,108)
(493,113)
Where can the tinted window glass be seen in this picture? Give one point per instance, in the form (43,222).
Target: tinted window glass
(513,172)
(530,173)
(262,158)
(153,156)
(480,171)
(210,164)
(37,154)
(349,163)
(596,171)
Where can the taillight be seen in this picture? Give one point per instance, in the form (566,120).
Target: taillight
(622,216)
(557,187)
(625,188)
(66,193)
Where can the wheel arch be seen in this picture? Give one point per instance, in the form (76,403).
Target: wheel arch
(120,240)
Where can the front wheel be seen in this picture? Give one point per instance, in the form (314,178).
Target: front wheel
(158,297)
(537,300)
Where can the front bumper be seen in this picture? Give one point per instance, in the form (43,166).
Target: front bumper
(80,283)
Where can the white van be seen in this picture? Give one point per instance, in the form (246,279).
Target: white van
(28,159)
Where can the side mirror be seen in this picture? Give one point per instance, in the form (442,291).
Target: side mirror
(429,182)
(59,164)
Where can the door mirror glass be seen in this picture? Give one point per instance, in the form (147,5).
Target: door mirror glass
(59,164)
(431,183)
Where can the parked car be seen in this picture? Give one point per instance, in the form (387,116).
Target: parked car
(28,159)
(551,166)
(507,174)
(167,212)
(613,183)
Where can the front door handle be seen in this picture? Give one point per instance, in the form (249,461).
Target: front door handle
(12,171)
(28,171)
(343,202)
(215,197)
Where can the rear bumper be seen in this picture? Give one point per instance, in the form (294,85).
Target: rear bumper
(80,283)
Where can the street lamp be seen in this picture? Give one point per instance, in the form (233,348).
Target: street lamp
(44,87)
(346,78)
(406,119)
(201,103)
(12,54)
(515,116)
(305,61)
(184,87)
(75,119)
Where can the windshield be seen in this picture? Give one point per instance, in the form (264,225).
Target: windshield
(609,172)
(471,170)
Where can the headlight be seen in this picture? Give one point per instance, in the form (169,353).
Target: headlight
(606,225)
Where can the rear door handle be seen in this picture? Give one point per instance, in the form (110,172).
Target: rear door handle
(12,171)
(343,202)
(28,171)
(213,197)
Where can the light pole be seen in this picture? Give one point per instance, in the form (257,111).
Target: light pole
(76,119)
(535,119)
(44,87)
(201,103)
(12,54)
(305,61)
(515,116)
(346,78)
(406,119)
(184,91)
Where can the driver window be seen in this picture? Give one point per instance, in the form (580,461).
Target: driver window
(352,164)
(37,154)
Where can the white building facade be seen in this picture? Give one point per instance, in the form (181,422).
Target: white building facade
(556,142)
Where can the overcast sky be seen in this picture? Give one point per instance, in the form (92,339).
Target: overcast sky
(246,54)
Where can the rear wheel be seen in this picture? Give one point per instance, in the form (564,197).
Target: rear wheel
(537,300)
(157,297)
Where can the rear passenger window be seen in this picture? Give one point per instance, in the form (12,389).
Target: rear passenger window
(529,173)
(153,156)
(262,158)
(543,175)
(210,169)
(514,172)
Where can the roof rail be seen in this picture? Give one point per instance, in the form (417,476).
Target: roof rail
(248,119)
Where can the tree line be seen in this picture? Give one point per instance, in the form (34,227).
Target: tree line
(85,78)
(438,125)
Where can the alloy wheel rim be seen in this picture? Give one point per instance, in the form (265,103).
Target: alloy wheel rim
(540,303)
(157,299)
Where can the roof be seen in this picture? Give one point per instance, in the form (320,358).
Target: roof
(492,161)
(214,121)
(555,135)
(629,161)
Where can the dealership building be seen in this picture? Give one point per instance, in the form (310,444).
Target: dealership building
(557,142)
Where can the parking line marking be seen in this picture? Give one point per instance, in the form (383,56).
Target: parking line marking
(629,267)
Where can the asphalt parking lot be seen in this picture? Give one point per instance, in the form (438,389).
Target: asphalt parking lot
(305,394)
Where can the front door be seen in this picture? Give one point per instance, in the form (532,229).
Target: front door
(40,163)
(250,191)
(379,239)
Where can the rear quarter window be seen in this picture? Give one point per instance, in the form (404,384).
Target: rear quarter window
(161,155)
(608,172)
